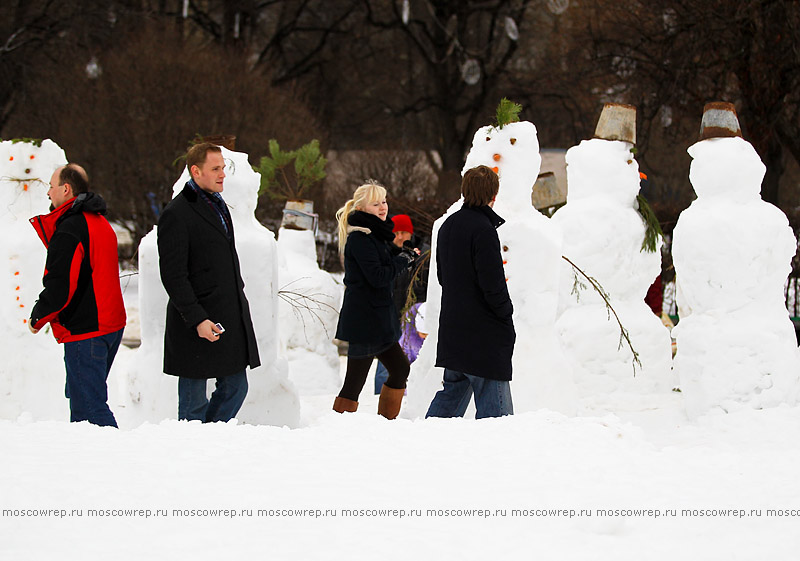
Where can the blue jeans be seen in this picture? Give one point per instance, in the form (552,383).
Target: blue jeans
(492,397)
(88,363)
(381,375)
(227,399)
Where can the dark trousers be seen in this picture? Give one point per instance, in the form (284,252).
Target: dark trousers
(393,358)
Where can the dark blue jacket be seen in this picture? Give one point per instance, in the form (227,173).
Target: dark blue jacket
(476,332)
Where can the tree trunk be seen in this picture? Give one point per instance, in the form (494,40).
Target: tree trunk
(769,148)
(773,159)
(449,177)
(449,186)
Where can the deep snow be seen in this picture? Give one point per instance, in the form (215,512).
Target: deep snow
(534,461)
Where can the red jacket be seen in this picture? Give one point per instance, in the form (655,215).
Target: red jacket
(81,297)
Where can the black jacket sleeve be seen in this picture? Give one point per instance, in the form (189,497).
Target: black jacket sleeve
(62,266)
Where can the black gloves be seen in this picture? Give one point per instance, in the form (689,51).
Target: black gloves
(409,255)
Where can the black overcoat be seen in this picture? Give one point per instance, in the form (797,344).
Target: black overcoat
(476,332)
(369,314)
(200,271)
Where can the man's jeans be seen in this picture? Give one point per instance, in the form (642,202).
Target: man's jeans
(88,363)
(227,399)
(381,375)
(492,397)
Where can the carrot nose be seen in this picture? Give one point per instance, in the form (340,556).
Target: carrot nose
(496,157)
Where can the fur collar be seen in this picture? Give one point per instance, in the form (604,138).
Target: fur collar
(372,225)
(351,229)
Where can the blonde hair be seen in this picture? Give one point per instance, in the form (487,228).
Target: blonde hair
(365,194)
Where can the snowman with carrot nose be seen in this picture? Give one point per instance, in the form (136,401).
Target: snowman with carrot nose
(531,247)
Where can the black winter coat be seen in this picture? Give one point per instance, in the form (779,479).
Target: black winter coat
(200,271)
(369,314)
(476,332)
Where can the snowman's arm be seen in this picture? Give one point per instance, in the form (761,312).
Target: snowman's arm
(173,262)
(491,277)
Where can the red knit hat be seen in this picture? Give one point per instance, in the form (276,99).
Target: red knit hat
(402,223)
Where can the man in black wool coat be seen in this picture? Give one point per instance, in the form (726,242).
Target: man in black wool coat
(209,332)
(476,332)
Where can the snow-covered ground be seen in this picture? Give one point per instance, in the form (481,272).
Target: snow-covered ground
(530,486)
(628,478)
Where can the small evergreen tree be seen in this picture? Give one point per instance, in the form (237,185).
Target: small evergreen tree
(281,180)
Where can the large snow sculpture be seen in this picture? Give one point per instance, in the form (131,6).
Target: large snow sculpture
(732,253)
(603,235)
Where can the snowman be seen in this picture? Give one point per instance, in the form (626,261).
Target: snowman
(732,253)
(531,247)
(271,398)
(603,236)
(32,377)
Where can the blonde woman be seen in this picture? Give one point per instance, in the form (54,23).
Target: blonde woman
(369,319)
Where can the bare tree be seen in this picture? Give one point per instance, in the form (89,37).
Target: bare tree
(133,115)
(671,59)
(418,74)
(409,178)
(30,31)
(445,81)
(385,77)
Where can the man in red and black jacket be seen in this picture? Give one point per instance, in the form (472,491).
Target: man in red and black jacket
(81,300)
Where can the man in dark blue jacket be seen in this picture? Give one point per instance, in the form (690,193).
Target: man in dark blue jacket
(476,332)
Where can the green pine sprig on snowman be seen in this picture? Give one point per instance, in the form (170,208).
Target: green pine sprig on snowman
(653,232)
(507,112)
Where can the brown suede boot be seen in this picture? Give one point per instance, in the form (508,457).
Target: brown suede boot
(389,402)
(342,404)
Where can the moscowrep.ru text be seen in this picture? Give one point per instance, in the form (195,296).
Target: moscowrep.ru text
(374,512)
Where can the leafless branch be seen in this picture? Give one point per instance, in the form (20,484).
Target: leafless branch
(306,303)
(624,337)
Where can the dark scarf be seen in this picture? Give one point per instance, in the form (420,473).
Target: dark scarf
(218,206)
(381,228)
